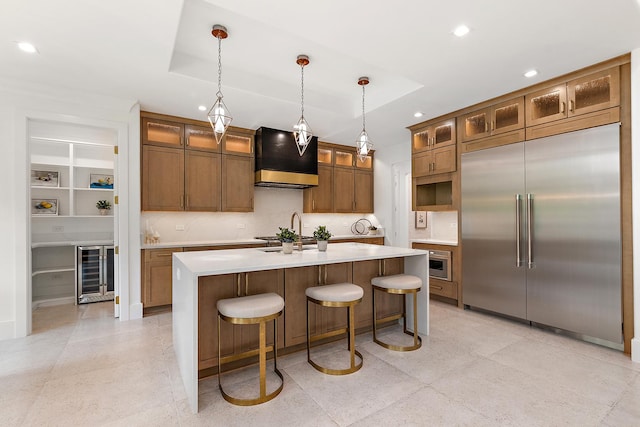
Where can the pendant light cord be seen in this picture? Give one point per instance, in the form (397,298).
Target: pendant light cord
(219,94)
(302,89)
(363,107)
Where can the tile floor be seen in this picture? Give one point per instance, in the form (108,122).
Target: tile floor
(81,367)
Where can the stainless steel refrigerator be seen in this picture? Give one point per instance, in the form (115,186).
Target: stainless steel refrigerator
(541,236)
(95,274)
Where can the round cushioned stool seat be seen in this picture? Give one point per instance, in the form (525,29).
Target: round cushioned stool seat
(340,292)
(397,281)
(248,307)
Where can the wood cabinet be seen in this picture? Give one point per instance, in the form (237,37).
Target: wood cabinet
(434,162)
(185,169)
(496,119)
(235,338)
(157,276)
(437,135)
(363,272)
(582,95)
(448,291)
(323,319)
(435,192)
(345,183)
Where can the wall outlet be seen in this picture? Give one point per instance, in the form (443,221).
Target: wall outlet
(240,225)
(180,227)
(58,228)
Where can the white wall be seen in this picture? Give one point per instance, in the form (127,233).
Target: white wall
(16,106)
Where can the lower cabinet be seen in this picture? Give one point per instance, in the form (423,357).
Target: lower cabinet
(156,276)
(388,305)
(235,338)
(323,319)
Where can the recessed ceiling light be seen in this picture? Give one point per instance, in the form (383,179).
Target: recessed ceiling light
(531,73)
(461,30)
(202,108)
(418,114)
(27,47)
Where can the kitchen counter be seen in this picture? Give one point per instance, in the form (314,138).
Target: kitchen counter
(245,241)
(436,242)
(189,266)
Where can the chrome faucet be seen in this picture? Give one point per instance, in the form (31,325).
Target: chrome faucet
(299,242)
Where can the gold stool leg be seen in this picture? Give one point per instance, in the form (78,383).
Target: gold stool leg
(263,359)
(417,340)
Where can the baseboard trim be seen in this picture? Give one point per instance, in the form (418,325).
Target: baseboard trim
(7,330)
(136,311)
(635,350)
(52,302)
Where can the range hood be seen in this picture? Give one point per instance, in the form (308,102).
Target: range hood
(278,163)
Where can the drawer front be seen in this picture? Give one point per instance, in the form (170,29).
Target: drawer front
(160,254)
(443,289)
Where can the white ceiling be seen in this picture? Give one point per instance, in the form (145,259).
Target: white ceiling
(161,54)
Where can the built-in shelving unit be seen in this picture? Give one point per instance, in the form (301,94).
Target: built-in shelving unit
(73,155)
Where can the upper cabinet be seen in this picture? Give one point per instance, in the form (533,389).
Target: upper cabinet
(582,95)
(434,136)
(493,120)
(185,169)
(345,183)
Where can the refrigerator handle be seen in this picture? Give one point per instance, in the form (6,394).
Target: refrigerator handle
(530,230)
(518,227)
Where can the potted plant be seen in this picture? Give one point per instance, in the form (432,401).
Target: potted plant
(322,235)
(103,206)
(287,237)
(373,230)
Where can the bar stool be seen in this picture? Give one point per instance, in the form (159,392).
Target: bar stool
(398,284)
(250,310)
(338,295)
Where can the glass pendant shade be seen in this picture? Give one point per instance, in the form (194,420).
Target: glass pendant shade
(363,145)
(219,118)
(302,134)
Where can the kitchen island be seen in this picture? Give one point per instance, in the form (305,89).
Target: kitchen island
(194,272)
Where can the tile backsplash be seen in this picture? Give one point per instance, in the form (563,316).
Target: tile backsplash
(273,208)
(440,226)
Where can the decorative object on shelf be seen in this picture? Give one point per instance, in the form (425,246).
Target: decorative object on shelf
(101,181)
(363,143)
(219,114)
(45,179)
(421,219)
(322,235)
(44,206)
(373,230)
(103,206)
(301,131)
(287,237)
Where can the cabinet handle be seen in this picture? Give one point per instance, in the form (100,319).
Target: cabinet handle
(164,254)
(246,284)
(493,125)
(486,126)
(571,105)
(436,287)
(319,275)
(313,205)
(186,201)
(182,201)
(379,267)
(238,284)
(562,106)
(384,267)
(325,275)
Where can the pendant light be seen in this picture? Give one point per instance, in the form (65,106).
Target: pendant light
(363,144)
(219,114)
(301,131)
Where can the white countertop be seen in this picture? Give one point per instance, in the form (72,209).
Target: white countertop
(204,263)
(436,242)
(246,241)
(72,243)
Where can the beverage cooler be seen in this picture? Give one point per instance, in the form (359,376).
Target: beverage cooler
(94,280)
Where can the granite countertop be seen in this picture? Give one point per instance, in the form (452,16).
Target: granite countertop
(245,241)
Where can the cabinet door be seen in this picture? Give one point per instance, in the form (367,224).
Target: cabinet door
(507,116)
(210,290)
(162,132)
(202,181)
(237,183)
(157,277)
(296,281)
(387,304)
(321,197)
(253,283)
(162,183)
(200,138)
(421,164)
(475,125)
(343,190)
(344,158)
(444,134)
(421,140)
(546,105)
(363,272)
(363,191)
(237,143)
(594,92)
(444,160)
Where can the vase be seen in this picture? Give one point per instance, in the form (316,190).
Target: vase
(322,245)
(103,211)
(287,247)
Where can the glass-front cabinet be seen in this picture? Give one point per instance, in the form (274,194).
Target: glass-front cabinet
(579,96)
(494,120)
(434,136)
